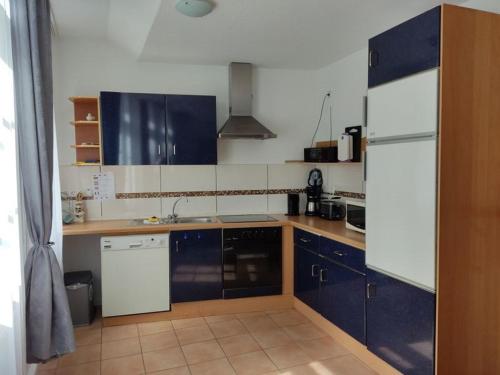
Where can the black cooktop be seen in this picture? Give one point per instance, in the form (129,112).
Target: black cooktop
(245,218)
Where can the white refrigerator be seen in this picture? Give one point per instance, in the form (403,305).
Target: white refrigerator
(401,178)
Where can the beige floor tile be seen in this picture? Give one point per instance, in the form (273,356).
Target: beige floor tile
(120,348)
(240,344)
(288,318)
(288,356)
(194,334)
(305,331)
(184,370)
(188,323)
(272,338)
(163,359)
(202,352)
(119,332)
(124,366)
(253,314)
(83,354)
(258,323)
(87,336)
(216,367)
(346,365)
(255,363)
(163,340)
(322,348)
(219,318)
(92,368)
(228,328)
(312,368)
(155,327)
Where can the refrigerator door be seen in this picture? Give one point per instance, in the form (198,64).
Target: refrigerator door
(401,210)
(405,107)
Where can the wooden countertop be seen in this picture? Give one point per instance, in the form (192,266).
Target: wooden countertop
(334,230)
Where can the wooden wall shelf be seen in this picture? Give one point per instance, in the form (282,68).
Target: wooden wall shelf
(87,133)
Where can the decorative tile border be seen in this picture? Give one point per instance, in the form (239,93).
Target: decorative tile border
(347,194)
(210,193)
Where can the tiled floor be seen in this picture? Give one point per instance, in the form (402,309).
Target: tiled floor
(274,342)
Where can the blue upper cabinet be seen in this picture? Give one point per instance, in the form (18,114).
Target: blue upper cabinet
(196,265)
(133,128)
(192,129)
(408,48)
(400,324)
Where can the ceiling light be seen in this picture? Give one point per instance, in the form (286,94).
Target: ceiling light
(194,8)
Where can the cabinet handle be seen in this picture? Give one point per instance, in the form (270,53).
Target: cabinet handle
(372,58)
(322,272)
(177,246)
(339,253)
(159,149)
(312,270)
(174,150)
(304,240)
(371,290)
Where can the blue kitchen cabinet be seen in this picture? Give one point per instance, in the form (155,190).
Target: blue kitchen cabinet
(196,265)
(400,324)
(342,298)
(133,128)
(409,48)
(306,283)
(191,122)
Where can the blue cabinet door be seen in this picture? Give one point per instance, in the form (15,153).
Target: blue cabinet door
(133,128)
(306,285)
(192,129)
(196,265)
(408,48)
(400,324)
(342,298)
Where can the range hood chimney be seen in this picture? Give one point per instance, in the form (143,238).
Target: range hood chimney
(241,123)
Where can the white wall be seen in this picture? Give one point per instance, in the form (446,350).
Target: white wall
(282,97)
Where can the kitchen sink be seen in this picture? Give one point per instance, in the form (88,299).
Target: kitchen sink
(178,220)
(200,219)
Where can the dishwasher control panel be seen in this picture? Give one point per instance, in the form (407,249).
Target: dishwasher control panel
(153,241)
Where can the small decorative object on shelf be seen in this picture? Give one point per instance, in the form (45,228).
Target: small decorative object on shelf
(87,134)
(79,209)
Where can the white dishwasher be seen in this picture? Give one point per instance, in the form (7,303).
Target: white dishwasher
(135,274)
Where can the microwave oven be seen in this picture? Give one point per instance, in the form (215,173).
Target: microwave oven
(355,216)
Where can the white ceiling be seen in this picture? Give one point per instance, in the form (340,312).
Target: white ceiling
(271,33)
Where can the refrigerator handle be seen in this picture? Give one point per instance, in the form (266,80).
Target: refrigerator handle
(364,166)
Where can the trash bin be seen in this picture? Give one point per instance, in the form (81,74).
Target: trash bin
(80,291)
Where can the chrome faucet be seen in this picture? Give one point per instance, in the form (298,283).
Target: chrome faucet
(174,216)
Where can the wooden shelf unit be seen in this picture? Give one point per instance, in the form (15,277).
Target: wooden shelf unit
(87,133)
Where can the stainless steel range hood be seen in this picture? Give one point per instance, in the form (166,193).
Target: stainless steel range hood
(241,123)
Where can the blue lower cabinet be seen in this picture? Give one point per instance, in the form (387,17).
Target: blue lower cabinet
(306,283)
(196,265)
(342,295)
(400,324)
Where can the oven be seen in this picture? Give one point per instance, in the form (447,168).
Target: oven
(252,260)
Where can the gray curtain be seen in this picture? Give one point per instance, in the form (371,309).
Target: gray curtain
(49,330)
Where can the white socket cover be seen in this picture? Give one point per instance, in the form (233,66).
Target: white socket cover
(344,144)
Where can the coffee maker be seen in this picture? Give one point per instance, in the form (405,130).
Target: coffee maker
(313,192)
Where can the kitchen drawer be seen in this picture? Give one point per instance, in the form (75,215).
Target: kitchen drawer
(306,240)
(344,254)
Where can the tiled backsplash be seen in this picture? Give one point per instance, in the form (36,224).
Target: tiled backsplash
(223,189)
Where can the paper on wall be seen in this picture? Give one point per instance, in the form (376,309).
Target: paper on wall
(103,185)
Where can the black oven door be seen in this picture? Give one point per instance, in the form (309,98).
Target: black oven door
(252,262)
